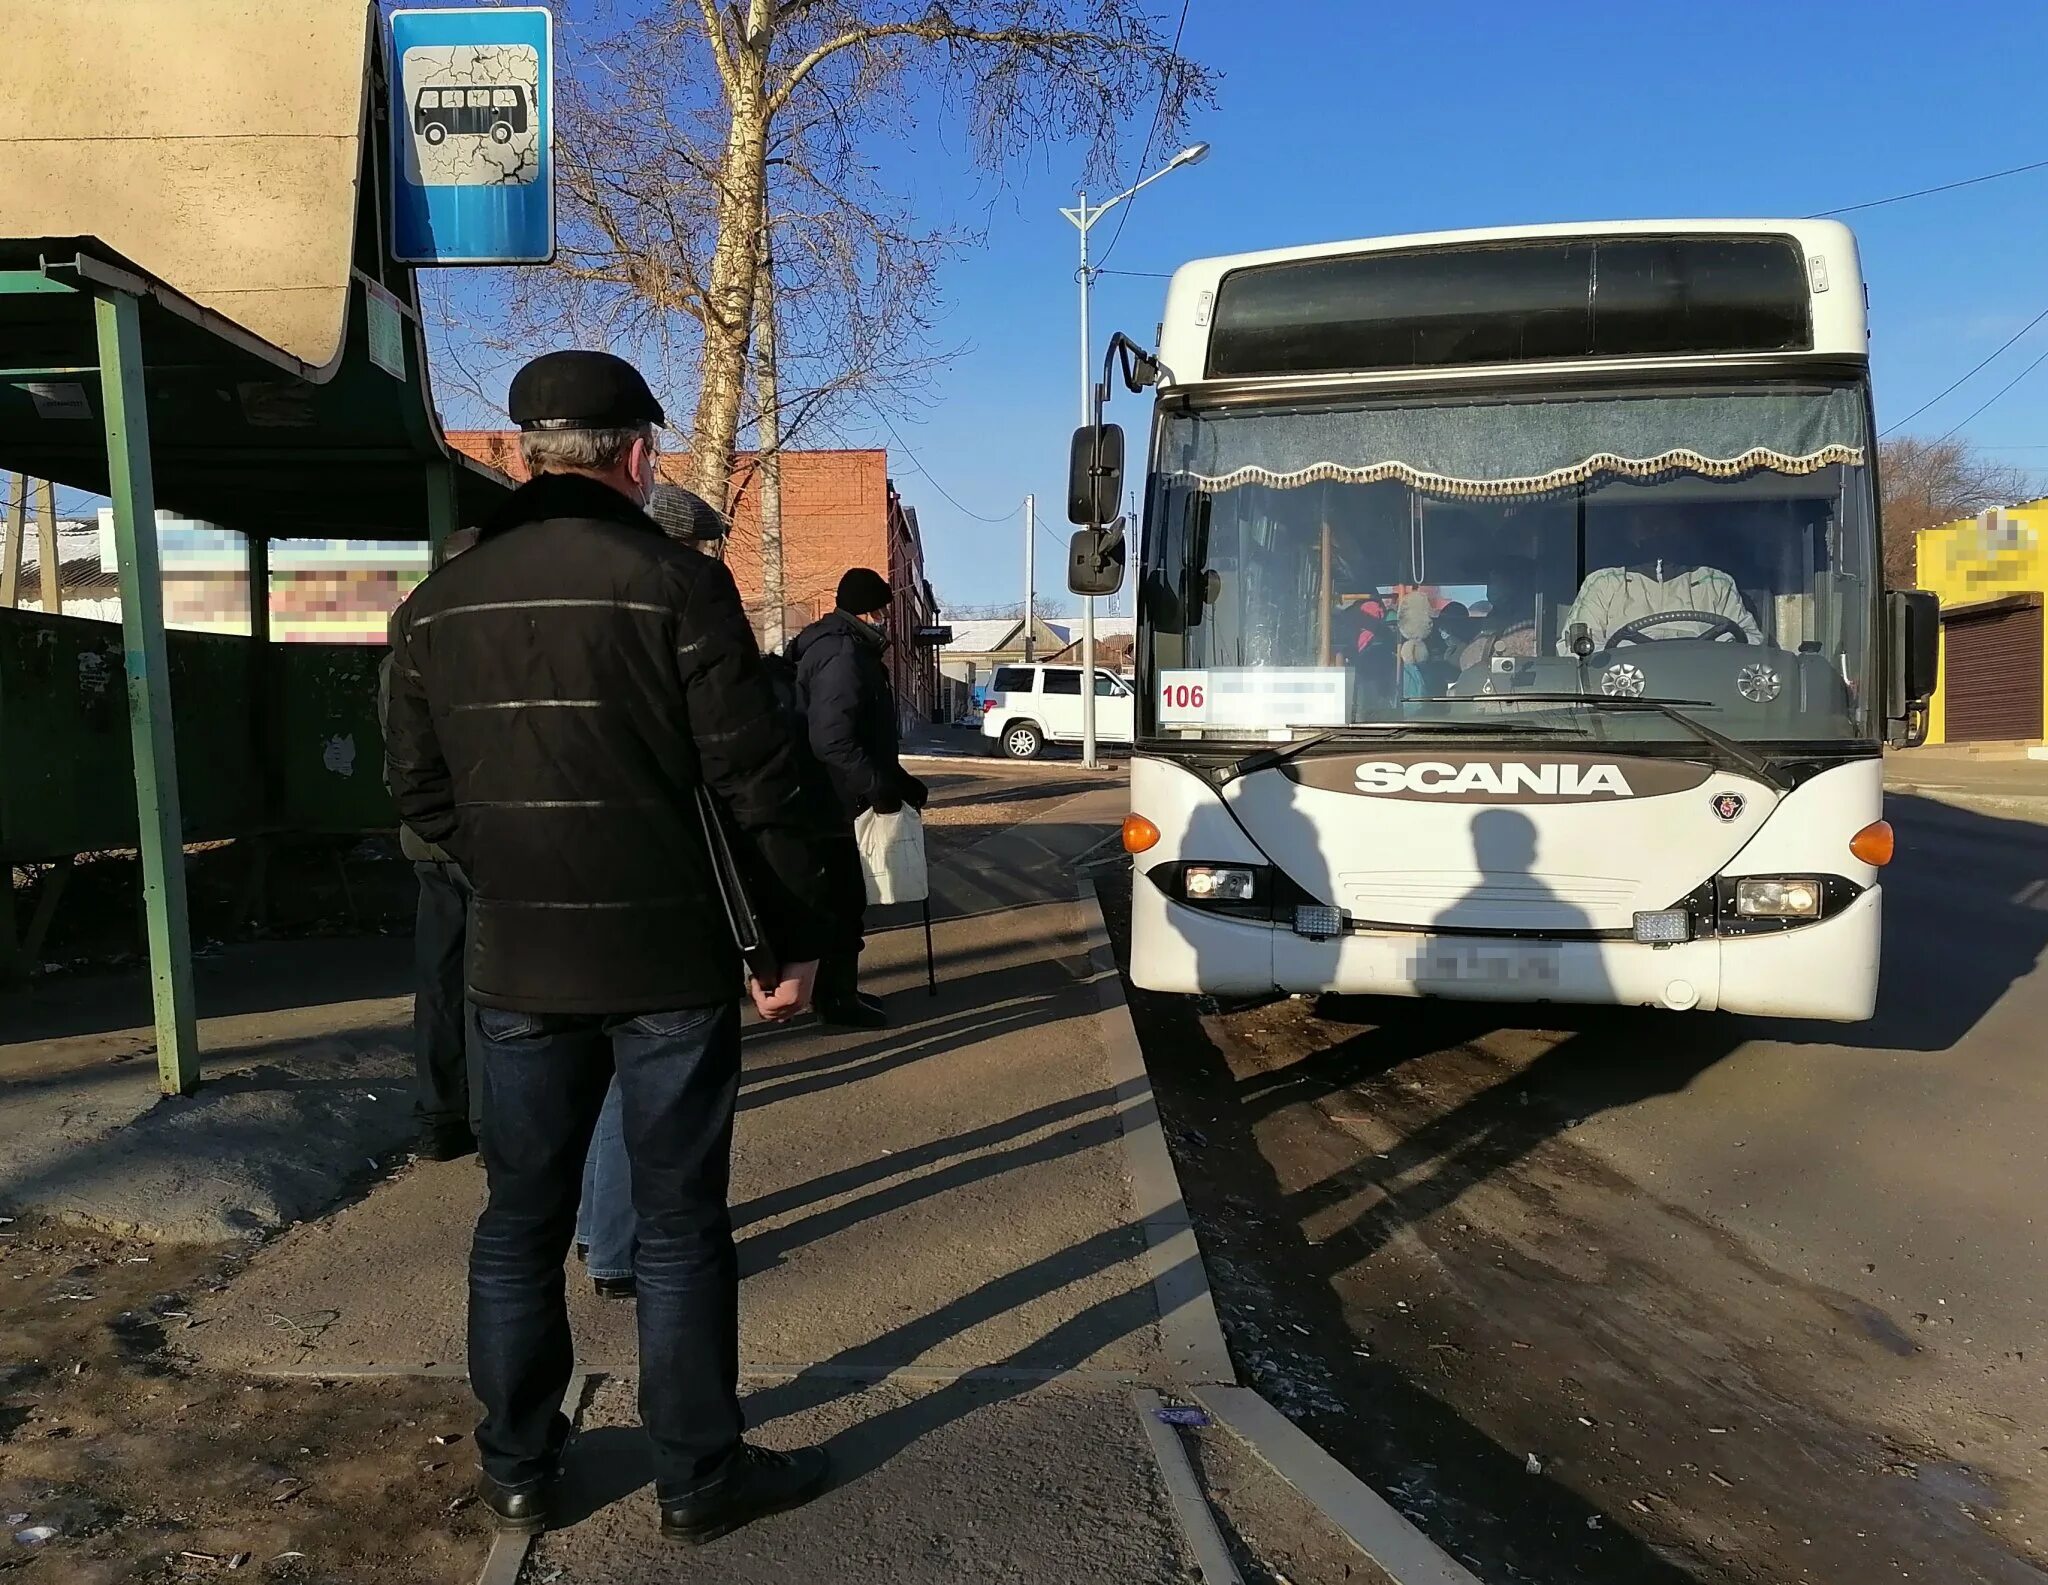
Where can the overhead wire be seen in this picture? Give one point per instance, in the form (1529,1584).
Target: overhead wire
(918,463)
(1974,372)
(2009,384)
(1923,192)
(1145,157)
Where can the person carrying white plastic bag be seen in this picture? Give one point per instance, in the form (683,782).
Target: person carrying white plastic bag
(892,863)
(892,856)
(851,726)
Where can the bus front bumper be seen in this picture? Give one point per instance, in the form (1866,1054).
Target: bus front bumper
(1826,970)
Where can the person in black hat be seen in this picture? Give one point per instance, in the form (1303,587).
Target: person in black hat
(559,694)
(850,712)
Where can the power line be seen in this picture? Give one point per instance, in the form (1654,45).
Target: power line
(1922,192)
(1145,158)
(1141,275)
(2029,325)
(918,463)
(2009,384)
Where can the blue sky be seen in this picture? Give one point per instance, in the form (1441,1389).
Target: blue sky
(1340,119)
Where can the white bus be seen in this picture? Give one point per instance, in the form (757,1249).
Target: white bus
(1511,622)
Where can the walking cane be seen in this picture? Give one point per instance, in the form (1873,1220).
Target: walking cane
(931,963)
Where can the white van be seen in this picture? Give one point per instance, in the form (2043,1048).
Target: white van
(1030,706)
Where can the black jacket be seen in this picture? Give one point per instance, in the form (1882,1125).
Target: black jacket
(850,711)
(558,694)
(415,847)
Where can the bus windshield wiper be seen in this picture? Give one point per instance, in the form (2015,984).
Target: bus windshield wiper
(1736,750)
(1374,731)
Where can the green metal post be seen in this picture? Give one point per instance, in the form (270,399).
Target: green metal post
(442,510)
(133,487)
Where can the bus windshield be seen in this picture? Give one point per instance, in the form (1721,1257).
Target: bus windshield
(1414,563)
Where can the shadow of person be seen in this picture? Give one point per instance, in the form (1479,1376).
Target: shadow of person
(1511,936)
(1610,1056)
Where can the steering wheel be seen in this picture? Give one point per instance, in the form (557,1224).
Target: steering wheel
(1717,627)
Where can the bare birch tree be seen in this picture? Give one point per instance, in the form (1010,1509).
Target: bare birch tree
(1930,482)
(687,128)
(1027,70)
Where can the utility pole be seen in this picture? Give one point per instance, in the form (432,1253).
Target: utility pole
(1081,217)
(17,527)
(1030,575)
(1089,759)
(49,561)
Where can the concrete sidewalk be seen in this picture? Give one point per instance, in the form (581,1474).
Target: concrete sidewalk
(951,1273)
(2013,785)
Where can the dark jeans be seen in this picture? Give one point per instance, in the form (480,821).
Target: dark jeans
(545,1078)
(604,1222)
(847,890)
(445,1053)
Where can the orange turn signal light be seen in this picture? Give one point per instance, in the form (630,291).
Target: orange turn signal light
(1874,843)
(1140,834)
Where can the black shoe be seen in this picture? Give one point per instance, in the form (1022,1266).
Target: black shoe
(615,1287)
(859,1012)
(523,1509)
(758,1482)
(446,1141)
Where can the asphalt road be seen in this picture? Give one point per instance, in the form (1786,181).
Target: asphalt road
(1662,1297)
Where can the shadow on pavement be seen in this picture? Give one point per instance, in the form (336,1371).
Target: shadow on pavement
(251,977)
(610,1463)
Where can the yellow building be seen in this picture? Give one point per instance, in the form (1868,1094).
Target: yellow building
(1990,572)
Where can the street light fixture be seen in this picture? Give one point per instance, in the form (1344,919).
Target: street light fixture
(1083,217)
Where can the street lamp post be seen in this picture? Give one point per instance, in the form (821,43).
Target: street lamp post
(1083,217)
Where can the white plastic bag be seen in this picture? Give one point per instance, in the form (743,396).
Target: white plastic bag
(892,855)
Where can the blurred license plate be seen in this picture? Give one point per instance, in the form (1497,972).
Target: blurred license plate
(1450,961)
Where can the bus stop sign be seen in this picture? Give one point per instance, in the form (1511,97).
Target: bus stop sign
(472,110)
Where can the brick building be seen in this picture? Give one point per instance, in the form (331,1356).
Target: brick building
(839,510)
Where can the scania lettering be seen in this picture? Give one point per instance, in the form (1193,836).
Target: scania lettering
(1511,621)
(1543,781)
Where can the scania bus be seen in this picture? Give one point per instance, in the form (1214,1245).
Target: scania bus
(1511,621)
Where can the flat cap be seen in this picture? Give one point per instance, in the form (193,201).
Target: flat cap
(581,390)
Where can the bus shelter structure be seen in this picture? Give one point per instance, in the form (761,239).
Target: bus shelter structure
(198,310)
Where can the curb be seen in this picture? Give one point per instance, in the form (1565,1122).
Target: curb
(1189,1328)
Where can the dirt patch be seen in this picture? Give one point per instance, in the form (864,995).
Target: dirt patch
(142,1467)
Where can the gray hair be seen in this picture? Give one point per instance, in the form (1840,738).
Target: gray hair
(579,450)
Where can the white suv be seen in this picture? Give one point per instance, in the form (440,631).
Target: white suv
(1030,706)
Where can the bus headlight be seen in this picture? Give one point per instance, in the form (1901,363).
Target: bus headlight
(1214,883)
(1777,899)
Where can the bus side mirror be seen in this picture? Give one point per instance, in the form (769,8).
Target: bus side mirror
(1913,663)
(1095,475)
(1095,560)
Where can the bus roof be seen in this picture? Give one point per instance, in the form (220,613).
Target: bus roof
(1839,327)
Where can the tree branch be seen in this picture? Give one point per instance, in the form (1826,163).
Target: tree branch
(1029,40)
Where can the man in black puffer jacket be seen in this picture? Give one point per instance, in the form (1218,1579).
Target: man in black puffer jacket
(559,695)
(850,712)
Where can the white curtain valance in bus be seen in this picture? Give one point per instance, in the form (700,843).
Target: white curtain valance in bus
(1489,449)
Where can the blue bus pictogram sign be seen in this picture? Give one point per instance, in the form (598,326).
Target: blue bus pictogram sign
(472,105)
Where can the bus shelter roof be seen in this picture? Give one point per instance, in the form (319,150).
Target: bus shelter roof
(236,189)
(241,433)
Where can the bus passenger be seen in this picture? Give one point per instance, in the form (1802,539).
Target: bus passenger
(1509,625)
